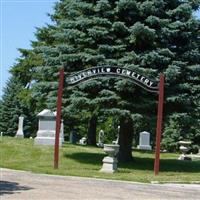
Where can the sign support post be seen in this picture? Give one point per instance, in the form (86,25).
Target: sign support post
(58,118)
(93,72)
(159,124)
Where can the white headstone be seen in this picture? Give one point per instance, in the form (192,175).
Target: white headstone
(101,138)
(144,142)
(20,132)
(62,131)
(117,140)
(83,141)
(47,128)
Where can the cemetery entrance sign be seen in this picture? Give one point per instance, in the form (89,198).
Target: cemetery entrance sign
(96,72)
(136,78)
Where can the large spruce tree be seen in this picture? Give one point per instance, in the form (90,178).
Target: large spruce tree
(149,36)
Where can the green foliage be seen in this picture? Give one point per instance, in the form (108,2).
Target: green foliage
(25,69)
(149,37)
(110,127)
(18,99)
(11,107)
(181,127)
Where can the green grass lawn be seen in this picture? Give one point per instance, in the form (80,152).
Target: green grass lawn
(76,160)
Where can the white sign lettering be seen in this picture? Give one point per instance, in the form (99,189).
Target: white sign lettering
(113,71)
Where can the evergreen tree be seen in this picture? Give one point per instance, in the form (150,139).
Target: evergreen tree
(11,107)
(25,70)
(149,36)
(17,99)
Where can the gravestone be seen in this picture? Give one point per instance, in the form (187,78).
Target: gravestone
(83,141)
(46,129)
(62,131)
(101,138)
(184,148)
(144,141)
(117,140)
(73,137)
(20,133)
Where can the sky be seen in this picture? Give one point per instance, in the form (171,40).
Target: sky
(18,22)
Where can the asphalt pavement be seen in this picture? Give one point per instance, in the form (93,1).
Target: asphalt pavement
(20,185)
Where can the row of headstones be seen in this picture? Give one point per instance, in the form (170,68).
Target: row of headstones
(46,132)
(144,141)
(46,128)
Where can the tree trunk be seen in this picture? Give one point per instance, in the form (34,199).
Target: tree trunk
(125,139)
(92,129)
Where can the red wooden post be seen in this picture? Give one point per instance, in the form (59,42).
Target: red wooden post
(159,124)
(58,118)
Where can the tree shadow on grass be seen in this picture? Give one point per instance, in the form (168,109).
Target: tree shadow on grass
(88,158)
(142,151)
(166,165)
(174,165)
(7,187)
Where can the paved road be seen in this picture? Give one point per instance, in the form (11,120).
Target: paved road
(19,185)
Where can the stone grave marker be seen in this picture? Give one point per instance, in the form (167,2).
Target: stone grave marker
(46,129)
(20,132)
(83,141)
(101,138)
(144,141)
(62,131)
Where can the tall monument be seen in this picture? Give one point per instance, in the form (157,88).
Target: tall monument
(20,133)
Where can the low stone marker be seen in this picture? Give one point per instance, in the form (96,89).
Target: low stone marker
(83,141)
(20,132)
(144,142)
(184,148)
(46,130)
